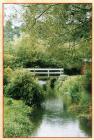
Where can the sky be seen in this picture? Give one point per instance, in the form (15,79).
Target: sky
(13,11)
(16,11)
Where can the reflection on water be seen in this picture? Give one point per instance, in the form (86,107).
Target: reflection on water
(52,120)
(86,126)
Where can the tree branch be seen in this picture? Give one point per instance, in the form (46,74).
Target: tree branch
(42,13)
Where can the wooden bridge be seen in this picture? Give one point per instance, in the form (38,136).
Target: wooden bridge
(43,73)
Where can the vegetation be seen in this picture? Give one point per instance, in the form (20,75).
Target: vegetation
(23,86)
(75,96)
(55,31)
(64,28)
(16,121)
(45,36)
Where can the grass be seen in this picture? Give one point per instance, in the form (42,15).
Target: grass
(75,96)
(16,120)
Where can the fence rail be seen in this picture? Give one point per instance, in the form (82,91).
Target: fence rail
(42,69)
(46,71)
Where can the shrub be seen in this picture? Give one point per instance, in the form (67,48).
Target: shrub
(24,86)
(52,83)
(11,61)
(16,120)
(9,102)
(75,97)
(7,75)
(85,102)
(44,87)
(87,79)
(70,88)
(59,82)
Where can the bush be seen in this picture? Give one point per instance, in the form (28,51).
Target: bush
(59,82)
(75,97)
(85,102)
(11,61)
(24,86)
(87,79)
(7,75)
(70,89)
(9,102)
(16,120)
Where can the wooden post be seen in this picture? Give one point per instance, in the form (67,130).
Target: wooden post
(60,72)
(48,72)
(34,71)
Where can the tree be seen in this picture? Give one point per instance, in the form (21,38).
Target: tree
(66,29)
(10,32)
(66,22)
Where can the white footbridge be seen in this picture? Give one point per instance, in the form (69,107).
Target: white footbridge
(46,72)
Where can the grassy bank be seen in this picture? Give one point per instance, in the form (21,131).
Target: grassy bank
(16,120)
(75,97)
(22,93)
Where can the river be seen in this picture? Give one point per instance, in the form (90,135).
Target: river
(52,120)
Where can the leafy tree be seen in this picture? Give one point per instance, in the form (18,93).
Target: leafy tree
(24,86)
(64,21)
(66,29)
(63,29)
(10,32)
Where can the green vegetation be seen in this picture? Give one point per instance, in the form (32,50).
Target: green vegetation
(23,86)
(45,36)
(59,32)
(16,121)
(64,29)
(7,75)
(75,96)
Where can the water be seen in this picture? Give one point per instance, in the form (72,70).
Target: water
(41,82)
(52,120)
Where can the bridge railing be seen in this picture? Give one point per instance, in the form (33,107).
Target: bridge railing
(47,71)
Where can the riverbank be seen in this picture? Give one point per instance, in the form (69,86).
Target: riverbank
(75,97)
(66,105)
(16,120)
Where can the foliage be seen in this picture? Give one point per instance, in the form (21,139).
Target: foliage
(85,102)
(11,61)
(9,102)
(16,121)
(10,32)
(7,75)
(24,86)
(53,35)
(72,87)
(65,28)
(51,18)
(32,53)
(74,95)
(87,80)
(37,54)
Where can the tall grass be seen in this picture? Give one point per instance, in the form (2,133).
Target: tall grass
(16,120)
(74,95)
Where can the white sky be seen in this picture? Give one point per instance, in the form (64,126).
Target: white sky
(13,11)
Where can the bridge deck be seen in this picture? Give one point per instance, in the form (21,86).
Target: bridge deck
(42,69)
(46,72)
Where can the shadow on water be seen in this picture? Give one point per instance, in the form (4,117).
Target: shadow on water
(36,117)
(52,119)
